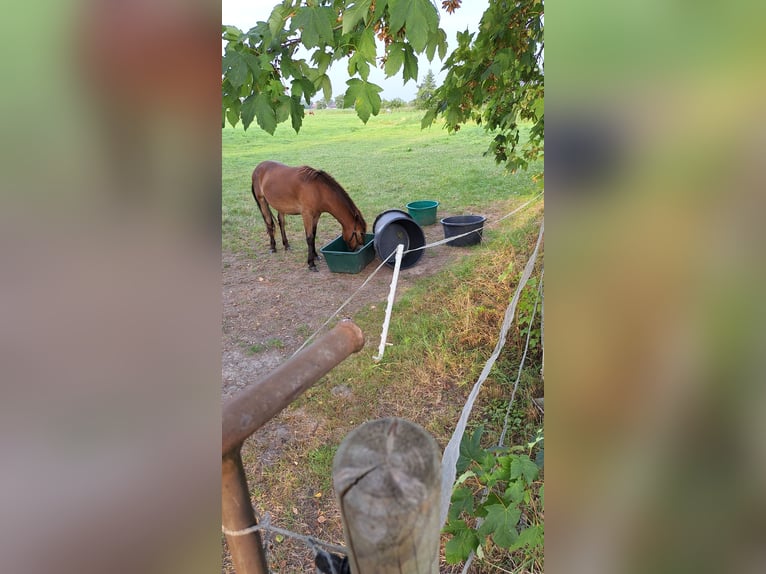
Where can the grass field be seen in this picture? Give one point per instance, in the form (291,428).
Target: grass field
(445,327)
(384,164)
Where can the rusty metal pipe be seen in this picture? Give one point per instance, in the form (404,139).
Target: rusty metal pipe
(252,407)
(247,550)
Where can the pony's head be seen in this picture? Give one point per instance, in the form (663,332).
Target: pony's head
(354,236)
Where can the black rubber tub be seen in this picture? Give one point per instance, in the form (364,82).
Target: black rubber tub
(460,224)
(393,227)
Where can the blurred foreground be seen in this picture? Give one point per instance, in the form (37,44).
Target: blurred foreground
(109,417)
(655,276)
(110,307)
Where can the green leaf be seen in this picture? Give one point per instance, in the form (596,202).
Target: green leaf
(232,114)
(462,501)
(398,14)
(296,113)
(501,523)
(326,87)
(436,39)
(460,546)
(428,119)
(235,68)
(276,20)
(283,109)
(529,537)
(395,58)
(418,16)
(315,24)
(523,466)
(465,476)
(253,62)
(365,45)
(410,65)
(514,494)
(247,110)
(231,33)
(356,63)
(365,97)
(355,13)
(470,448)
(264,113)
(322,60)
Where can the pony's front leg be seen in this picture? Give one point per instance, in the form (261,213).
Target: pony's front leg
(309,224)
(312,253)
(313,235)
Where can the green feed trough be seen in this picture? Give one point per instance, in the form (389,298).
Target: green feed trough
(341,260)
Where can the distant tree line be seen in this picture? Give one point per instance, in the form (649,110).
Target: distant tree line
(425,92)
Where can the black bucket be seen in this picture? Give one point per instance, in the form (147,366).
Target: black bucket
(460,224)
(393,227)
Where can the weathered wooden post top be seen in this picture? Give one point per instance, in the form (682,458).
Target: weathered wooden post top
(387,478)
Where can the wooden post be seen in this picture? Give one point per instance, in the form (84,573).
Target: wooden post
(387,477)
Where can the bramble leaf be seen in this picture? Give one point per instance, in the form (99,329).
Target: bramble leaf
(462,501)
(501,523)
(529,537)
(470,449)
(463,542)
(523,466)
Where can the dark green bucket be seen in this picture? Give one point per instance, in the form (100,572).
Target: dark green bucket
(423,212)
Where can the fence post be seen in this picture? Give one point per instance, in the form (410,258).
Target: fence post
(387,478)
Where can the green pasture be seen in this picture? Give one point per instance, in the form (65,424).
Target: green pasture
(383,165)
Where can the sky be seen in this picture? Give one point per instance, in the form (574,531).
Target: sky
(244,14)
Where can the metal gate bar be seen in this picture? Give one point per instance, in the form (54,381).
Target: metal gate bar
(249,410)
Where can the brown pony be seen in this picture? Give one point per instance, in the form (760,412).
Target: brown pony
(308,192)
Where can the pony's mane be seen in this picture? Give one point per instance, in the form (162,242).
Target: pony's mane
(309,173)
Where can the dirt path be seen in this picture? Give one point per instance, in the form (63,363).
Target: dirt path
(272,303)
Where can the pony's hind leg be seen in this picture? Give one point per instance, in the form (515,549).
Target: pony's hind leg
(281,220)
(268,219)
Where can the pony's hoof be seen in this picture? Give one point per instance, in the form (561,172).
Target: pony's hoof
(314,268)
(272,250)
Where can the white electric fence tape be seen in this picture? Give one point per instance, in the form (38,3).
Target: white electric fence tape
(389,306)
(450,456)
